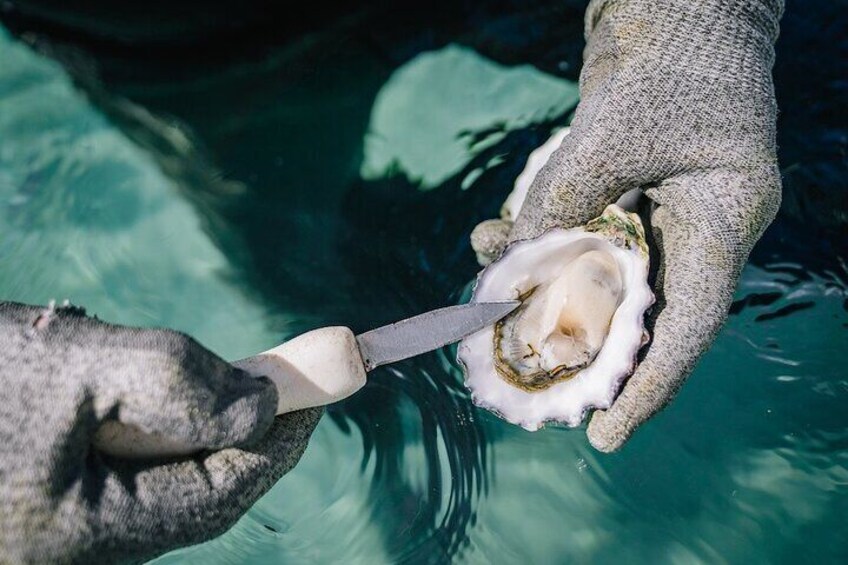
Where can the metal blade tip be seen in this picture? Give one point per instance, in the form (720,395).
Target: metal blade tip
(497,310)
(429,331)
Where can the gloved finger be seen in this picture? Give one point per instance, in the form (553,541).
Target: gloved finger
(166,383)
(580,179)
(489,238)
(705,226)
(186,502)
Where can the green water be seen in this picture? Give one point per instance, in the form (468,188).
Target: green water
(325,181)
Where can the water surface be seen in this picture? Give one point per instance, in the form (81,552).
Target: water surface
(332,177)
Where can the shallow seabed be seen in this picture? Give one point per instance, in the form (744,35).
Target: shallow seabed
(332,176)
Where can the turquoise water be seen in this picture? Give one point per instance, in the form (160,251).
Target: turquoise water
(333,179)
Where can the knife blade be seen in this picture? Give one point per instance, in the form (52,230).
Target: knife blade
(428,331)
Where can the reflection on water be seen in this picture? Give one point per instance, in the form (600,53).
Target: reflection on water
(119,209)
(439,110)
(88,215)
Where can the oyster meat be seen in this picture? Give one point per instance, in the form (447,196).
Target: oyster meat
(574,339)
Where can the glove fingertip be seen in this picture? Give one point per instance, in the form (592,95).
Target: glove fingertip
(606,433)
(254,469)
(489,239)
(288,436)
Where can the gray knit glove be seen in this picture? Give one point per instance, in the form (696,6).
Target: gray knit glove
(676,99)
(62,374)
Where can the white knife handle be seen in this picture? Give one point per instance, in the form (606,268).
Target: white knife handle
(314,369)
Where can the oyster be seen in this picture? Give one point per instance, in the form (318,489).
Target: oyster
(574,339)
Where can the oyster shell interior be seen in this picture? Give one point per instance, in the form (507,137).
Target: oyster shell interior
(575,338)
(561,325)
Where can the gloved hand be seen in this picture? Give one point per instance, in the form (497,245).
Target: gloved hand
(62,374)
(676,99)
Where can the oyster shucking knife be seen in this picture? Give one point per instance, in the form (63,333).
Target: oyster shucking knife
(323,366)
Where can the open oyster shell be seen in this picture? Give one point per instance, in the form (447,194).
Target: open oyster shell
(575,337)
